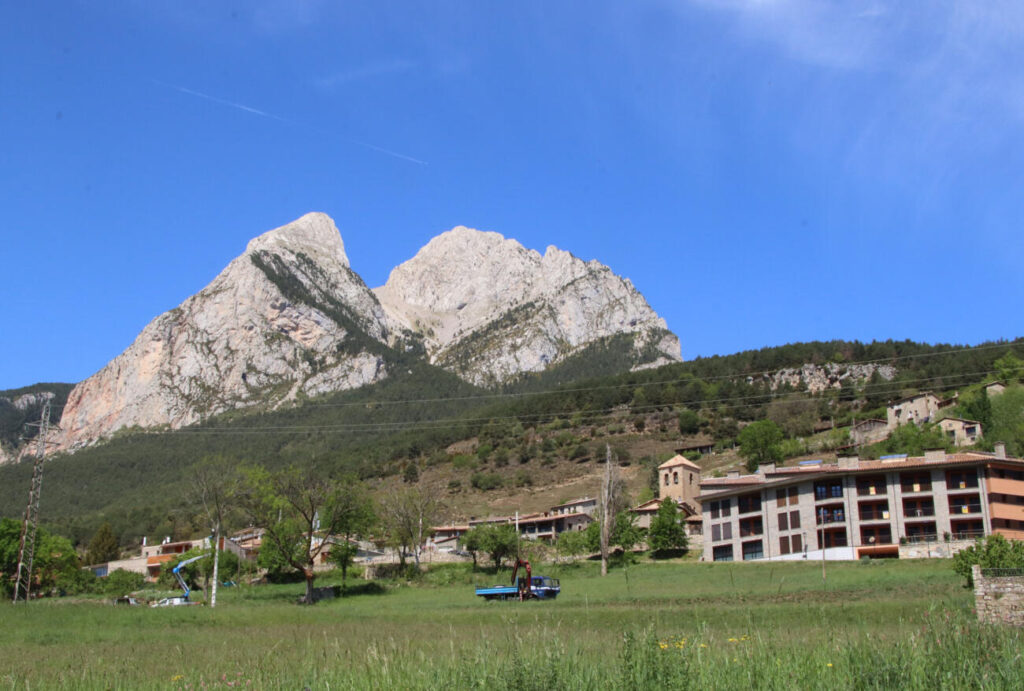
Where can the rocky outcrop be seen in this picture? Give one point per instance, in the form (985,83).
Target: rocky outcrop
(489,309)
(818,378)
(286,318)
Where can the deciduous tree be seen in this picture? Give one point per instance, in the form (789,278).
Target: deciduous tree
(759,443)
(667,533)
(298,509)
(407,516)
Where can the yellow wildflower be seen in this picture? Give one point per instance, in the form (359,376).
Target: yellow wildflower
(177,677)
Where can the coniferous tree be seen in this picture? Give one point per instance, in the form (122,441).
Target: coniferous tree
(104,546)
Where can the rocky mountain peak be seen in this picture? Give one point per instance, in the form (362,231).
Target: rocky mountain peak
(474,294)
(313,234)
(289,318)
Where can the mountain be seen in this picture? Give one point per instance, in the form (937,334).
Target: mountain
(21,406)
(490,310)
(289,319)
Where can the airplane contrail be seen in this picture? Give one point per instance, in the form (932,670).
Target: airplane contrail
(265,114)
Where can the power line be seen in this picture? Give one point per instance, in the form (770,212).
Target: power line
(677,380)
(734,402)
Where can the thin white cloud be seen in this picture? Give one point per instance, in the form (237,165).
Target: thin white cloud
(295,123)
(370,70)
(225,102)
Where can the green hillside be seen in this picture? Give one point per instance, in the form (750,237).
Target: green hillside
(13,419)
(139,481)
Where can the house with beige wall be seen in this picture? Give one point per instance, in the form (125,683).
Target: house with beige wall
(917,409)
(960,431)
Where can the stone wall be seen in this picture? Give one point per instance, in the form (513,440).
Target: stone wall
(998,598)
(928,550)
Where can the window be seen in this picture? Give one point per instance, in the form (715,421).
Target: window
(666,479)
(830,514)
(751,526)
(876,535)
(783,521)
(828,489)
(722,553)
(794,520)
(691,478)
(964,503)
(874,511)
(749,502)
(784,544)
(916,482)
(675,481)
(780,497)
(961,479)
(871,485)
(794,495)
(918,508)
(753,550)
(834,537)
(719,508)
(716,533)
(795,541)
(727,531)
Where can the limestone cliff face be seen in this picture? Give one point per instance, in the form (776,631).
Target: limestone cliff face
(489,309)
(288,317)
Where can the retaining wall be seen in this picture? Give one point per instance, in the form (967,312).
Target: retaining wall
(999,595)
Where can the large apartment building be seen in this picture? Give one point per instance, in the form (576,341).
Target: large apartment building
(856,508)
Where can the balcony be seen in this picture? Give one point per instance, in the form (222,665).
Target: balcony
(921,513)
(916,487)
(879,515)
(1008,512)
(999,485)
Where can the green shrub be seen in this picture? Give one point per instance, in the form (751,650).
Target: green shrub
(486,481)
(121,582)
(464,461)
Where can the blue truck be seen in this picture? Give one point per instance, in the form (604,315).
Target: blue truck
(528,587)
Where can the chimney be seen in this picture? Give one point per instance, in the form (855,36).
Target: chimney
(934,455)
(1000,448)
(849,461)
(766,468)
(733,473)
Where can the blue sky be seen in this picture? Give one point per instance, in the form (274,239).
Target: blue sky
(765,172)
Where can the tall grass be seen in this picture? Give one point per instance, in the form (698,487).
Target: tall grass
(906,625)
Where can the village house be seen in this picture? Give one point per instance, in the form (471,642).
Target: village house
(856,508)
(918,409)
(961,432)
(867,432)
(995,388)
(151,559)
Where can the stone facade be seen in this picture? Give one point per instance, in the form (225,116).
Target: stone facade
(928,550)
(999,599)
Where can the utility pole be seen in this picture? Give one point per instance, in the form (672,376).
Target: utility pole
(27,547)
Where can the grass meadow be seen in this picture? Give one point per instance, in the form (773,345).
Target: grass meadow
(884,624)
